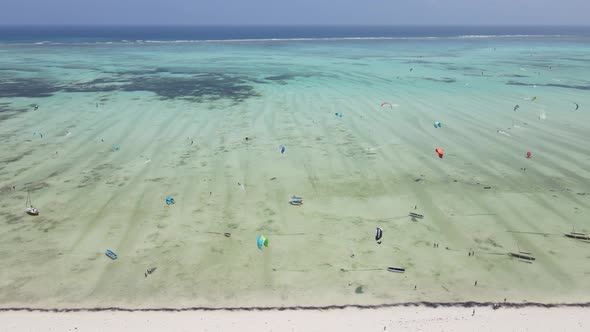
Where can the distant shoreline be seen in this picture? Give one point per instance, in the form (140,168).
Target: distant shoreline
(74,34)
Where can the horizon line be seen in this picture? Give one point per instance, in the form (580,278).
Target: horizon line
(585,25)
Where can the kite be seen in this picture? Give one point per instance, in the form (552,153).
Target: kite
(170,200)
(516,107)
(440,152)
(378,235)
(386,104)
(261,241)
(577,106)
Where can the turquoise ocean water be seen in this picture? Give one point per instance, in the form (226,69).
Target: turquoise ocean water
(179,106)
(181,62)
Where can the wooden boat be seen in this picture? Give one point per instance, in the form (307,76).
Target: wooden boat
(578,236)
(396,269)
(527,256)
(111,254)
(29,209)
(296,200)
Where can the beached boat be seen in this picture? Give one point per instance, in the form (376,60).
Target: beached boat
(29,209)
(527,256)
(396,269)
(296,200)
(111,254)
(578,236)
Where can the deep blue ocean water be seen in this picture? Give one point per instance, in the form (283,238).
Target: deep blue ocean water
(89,34)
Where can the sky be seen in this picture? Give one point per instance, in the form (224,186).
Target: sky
(295,12)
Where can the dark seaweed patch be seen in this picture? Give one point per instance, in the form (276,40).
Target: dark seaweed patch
(26,87)
(17,158)
(283,78)
(137,72)
(178,70)
(458,68)
(199,88)
(442,79)
(513,75)
(11,219)
(35,186)
(426,62)
(533,64)
(96,85)
(566,86)
(76,67)
(19,69)
(577,59)
(9,112)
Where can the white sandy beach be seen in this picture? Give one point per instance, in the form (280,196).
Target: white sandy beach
(391,319)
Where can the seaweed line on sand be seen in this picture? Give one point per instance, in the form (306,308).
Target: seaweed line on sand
(467,304)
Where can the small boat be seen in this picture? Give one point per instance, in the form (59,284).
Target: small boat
(396,269)
(415,215)
(296,200)
(111,254)
(30,210)
(578,236)
(527,256)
